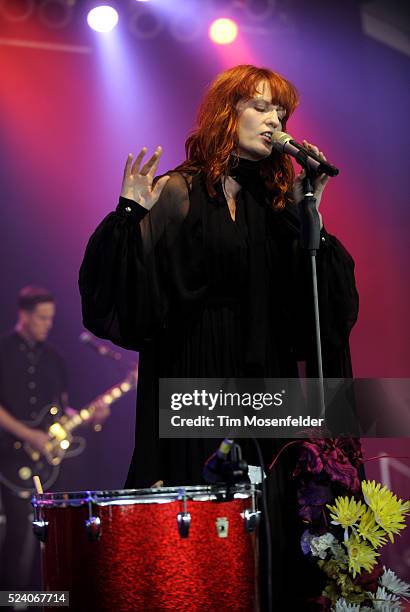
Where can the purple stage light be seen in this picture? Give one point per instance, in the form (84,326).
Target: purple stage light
(223,31)
(102,18)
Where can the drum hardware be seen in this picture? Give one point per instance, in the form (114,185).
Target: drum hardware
(93,523)
(40,530)
(183,518)
(222,525)
(226,465)
(252,519)
(40,526)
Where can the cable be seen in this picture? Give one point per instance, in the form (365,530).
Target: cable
(265,515)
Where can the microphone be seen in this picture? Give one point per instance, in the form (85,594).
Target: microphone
(284,143)
(218,469)
(212,471)
(102,349)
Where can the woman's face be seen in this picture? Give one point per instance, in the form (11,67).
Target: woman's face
(256,117)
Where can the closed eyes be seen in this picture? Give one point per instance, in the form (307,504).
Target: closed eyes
(265,109)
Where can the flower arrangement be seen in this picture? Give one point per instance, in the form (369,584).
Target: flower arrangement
(346,531)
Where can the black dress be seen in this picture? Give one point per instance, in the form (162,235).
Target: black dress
(201,295)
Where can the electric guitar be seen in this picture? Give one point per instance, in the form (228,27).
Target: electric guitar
(20,461)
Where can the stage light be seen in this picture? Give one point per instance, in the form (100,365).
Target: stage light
(56,14)
(102,18)
(145,24)
(223,31)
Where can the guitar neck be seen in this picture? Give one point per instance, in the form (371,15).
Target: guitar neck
(110,396)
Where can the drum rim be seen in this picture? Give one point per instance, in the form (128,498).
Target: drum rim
(147,495)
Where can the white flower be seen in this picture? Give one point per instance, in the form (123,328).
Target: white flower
(343,606)
(393,584)
(384,601)
(320,544)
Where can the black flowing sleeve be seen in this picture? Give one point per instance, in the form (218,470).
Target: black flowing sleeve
(338,300)
(122,285)
(338,303)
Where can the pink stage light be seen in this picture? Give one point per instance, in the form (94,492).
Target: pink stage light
(102,18)
(223,31)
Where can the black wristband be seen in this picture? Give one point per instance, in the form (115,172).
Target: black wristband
(132,209)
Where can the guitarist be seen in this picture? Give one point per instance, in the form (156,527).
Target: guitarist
(32,375)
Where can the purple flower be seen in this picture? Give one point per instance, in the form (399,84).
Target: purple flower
(338,458)
(312,497)
(309,460)
(339,468)
(305,541)
(353,449)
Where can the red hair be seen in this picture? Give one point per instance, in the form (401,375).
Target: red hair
(210,146)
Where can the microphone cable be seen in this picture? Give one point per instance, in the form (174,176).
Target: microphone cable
(268,531)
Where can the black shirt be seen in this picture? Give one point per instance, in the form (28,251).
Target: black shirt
(31,377)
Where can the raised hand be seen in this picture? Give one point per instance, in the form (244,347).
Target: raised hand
(137,182)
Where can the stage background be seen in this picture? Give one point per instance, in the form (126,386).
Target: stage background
(74,103)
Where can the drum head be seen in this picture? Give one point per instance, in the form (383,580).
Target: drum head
(157,495)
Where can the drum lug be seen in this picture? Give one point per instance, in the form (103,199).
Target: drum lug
(93,526)
(40,526)
(252,519)
(93,523)
(40,529)
(183,518)
(184,522)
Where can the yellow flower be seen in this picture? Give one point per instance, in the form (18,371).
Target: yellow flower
(388,511)
(360,555)
(346,512)
(369,530)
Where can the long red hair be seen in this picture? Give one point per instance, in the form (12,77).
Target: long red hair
(210,146)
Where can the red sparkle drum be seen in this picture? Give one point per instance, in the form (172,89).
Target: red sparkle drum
(183,548)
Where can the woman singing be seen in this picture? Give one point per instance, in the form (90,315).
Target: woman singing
(201,272)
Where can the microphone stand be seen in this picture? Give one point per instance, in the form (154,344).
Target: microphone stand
(310,241)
